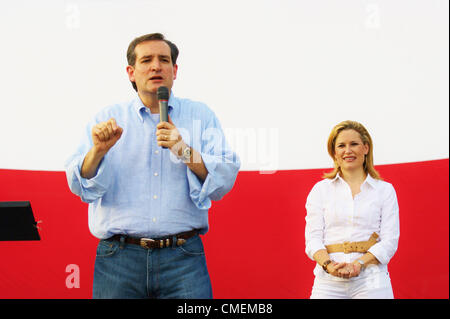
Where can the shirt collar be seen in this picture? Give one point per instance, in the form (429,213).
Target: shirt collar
(139,107)
(336,177)
(369,180)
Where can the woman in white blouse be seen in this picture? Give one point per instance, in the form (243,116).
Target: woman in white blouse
(352,222)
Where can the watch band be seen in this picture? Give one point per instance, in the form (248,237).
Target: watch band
(361,263)
(325,264)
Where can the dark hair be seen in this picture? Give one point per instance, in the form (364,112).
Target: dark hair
(131,54)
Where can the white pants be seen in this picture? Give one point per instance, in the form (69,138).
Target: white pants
(376,285)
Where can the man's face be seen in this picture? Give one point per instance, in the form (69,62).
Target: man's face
(153,67)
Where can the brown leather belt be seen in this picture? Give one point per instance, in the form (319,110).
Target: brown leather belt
(352,247)
(150,243)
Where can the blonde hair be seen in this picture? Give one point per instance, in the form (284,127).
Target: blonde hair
(366,139)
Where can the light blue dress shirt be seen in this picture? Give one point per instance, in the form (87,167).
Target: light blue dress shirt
(143,190)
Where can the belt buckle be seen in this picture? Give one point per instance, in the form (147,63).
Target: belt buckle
(144,242)
(347,247)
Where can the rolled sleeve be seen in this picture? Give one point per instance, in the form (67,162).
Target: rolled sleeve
(385,249)
(314,229)
(90,189)
(219,181)
(220,161)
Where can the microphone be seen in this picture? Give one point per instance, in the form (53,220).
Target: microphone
(163,99)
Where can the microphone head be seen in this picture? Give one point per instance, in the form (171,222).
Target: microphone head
(163,93)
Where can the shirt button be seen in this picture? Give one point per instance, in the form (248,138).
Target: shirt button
(156,174)
(154,219)
(155,196)
(157,152)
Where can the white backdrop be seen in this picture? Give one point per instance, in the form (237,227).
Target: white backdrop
(279,74)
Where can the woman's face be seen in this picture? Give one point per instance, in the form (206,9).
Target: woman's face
(349,150)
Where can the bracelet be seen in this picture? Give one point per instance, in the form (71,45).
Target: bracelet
(325,264)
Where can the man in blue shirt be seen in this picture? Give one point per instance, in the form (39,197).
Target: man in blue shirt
(149,184)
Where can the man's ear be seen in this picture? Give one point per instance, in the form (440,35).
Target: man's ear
(130,71)
(175,70)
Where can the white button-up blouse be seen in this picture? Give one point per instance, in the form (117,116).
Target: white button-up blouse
(334,216)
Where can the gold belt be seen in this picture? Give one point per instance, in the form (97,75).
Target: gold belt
(355,246)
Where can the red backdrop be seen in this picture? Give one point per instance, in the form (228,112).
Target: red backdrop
(255,246)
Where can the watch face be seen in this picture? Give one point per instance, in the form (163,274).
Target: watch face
(187,153)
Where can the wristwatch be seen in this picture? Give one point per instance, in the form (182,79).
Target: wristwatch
(361,263)
(186,154)
(325,264)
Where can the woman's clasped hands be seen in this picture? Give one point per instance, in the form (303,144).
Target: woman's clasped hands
(344,270)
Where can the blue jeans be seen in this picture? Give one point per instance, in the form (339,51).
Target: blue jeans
(130,271)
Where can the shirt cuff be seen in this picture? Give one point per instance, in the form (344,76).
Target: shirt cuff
(380,253)
(220,179)
(198,191)
(95,187)
(312,248)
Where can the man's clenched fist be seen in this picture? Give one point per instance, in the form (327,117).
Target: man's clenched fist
(105,135)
